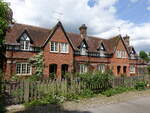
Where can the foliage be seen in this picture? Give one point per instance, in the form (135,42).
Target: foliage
(144,55)
(2,96)
(37,62)
(49,99)
(148,69)
(140,85)
(5,19)
(98,78)
(87,93)
(117,90)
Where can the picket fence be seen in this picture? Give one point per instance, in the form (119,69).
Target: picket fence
(22,91)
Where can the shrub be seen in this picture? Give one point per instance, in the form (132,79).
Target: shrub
(97,79)
(72,96)
(117,90)
(87,93)
(49,99)
(140,85)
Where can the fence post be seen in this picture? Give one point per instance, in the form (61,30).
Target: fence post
(26,91)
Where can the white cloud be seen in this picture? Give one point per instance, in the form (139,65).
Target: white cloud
(101,19)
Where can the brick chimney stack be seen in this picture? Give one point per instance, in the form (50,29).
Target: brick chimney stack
(83,30)
(127,40)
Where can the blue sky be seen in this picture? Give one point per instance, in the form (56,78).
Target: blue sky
(102,17)
(135,12)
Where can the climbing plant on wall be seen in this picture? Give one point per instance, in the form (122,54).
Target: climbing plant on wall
(37,63)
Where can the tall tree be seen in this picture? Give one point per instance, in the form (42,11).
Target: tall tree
(144,55)
(5,20)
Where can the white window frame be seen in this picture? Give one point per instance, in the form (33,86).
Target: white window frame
(83,68)
(121,54)
(64,48)
(21,69)
(83,51)
(101,67)
(25,42)
(55,51)
(132,68)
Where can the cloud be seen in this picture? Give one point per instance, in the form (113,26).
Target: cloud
(101,18)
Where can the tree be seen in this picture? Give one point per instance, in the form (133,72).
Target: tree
(5,20)
(144,55)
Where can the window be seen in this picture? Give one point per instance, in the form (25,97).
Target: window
(24,42)
(121,54)
(83,51)
(83,68)
(132,69)
(23,69)
(118,53)
(64,48)
(101,68)
(54,47)
(102,53)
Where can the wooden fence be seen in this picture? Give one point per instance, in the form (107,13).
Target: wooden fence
(25,91)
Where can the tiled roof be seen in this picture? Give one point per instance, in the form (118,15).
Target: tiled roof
(40,35)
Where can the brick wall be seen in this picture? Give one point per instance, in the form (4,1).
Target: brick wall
(114,61)
(57,58)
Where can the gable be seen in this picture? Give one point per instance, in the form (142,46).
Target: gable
(83,44)
(58,34)
(101,47)
(24,36)
(121,49)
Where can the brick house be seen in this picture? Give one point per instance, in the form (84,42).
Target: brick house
(68,52)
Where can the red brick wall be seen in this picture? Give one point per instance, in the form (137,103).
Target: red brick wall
(114,61)
(57,58)
(13,58)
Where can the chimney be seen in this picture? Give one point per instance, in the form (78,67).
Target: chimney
(127,40)
(83,30)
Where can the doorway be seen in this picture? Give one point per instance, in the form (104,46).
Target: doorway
(64,70)
(53,69)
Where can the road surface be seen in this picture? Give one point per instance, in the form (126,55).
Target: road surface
(140,105)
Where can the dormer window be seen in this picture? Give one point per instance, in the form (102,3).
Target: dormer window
(24,42)
(83,50)
(101,49)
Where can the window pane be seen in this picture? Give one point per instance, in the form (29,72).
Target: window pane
(56,46)
(64,47)
(28,69)
(23,68)
(27,44)
(18,69)
(101,68)
(83,68)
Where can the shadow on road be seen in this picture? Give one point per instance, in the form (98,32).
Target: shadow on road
(49,109)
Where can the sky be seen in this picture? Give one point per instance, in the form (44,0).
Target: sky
(104,18)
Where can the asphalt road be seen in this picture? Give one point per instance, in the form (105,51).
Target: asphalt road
(140,105)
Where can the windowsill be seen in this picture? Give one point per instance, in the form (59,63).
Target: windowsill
(54,51)
(132,72)
(23,74)
(64,52)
